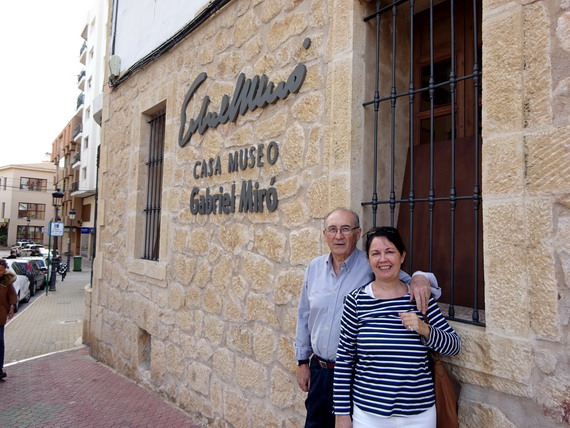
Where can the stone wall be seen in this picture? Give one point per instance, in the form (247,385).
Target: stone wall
(210,325)
(516,370)
(220,304)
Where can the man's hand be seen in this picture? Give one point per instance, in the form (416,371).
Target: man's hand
(343,421)
(420,291)
(11,312)
(304,377)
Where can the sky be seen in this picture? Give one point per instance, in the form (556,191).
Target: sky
(40,42)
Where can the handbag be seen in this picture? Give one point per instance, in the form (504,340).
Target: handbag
(447,390)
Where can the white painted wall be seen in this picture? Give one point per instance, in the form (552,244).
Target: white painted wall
(143,25)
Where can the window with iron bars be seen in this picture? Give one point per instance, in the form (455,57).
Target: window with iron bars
(422,116)
(154,167)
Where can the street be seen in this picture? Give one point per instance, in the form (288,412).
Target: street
(48,323)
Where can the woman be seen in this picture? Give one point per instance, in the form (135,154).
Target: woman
(382,374)
(8,299)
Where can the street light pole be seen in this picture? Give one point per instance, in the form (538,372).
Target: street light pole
(57,196)
(28,229)
(71,218)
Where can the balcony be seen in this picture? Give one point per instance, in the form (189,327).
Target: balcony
(81,80)
(77,131)
(83,53)
(76,159)
(80,100)
(74,186)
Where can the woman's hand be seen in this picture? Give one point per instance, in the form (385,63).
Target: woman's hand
(343,421)
(412,322)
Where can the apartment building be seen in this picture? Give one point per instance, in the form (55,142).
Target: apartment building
(76,157)
(26,202)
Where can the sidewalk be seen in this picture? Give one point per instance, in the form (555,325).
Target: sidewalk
(66,387)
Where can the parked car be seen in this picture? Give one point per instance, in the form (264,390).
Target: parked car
(22,267)
(45,254)
(18,246)
(40,271)
(31,250)
(22,286)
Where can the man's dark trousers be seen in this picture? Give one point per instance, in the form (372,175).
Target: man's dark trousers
(319,402)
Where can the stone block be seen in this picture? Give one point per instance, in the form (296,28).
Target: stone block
(234,308)
(486,354)
(503,63)
(304,246)
(251,376)
(273,126)
(223,364)
(202,275)
(548,157)
(198,377)
(186,321)
(563,31)
(474,414)
(260,309)
(229,65)
(288,187)
(284,28)
(295,213)
(235,238)
(240,338)
(538,69)
(213,300)
(264,344)
(270,243)
(236,409)
(503,165)
(259,273)
(543,290)
(288,286)
(214,329)
(319,197)
(308,108)
(282,388)
(245,27)
(504,240)
(293,150)
(268,10)
(242,137)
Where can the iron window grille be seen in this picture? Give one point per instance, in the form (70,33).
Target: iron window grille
(154,187)
(425,133)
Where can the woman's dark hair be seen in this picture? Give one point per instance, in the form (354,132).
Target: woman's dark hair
(390,233)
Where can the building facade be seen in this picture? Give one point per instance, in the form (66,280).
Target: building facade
(25,202)
(89,110)
(224,148)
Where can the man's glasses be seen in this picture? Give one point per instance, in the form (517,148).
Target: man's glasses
(345,230)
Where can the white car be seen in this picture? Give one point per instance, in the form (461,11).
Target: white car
(22,286)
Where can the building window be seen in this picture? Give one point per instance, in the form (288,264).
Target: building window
(32,233)
(84,173)
(423,113)
(31,210)
(154,167)
(33,184)
(85,143)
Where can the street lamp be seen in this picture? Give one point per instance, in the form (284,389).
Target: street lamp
(28,228)
(71,218)
(57,196)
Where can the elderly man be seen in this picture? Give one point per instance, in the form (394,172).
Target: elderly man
(328,279)
(8,299)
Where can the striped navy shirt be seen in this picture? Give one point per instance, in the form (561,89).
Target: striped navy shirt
(382,367)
